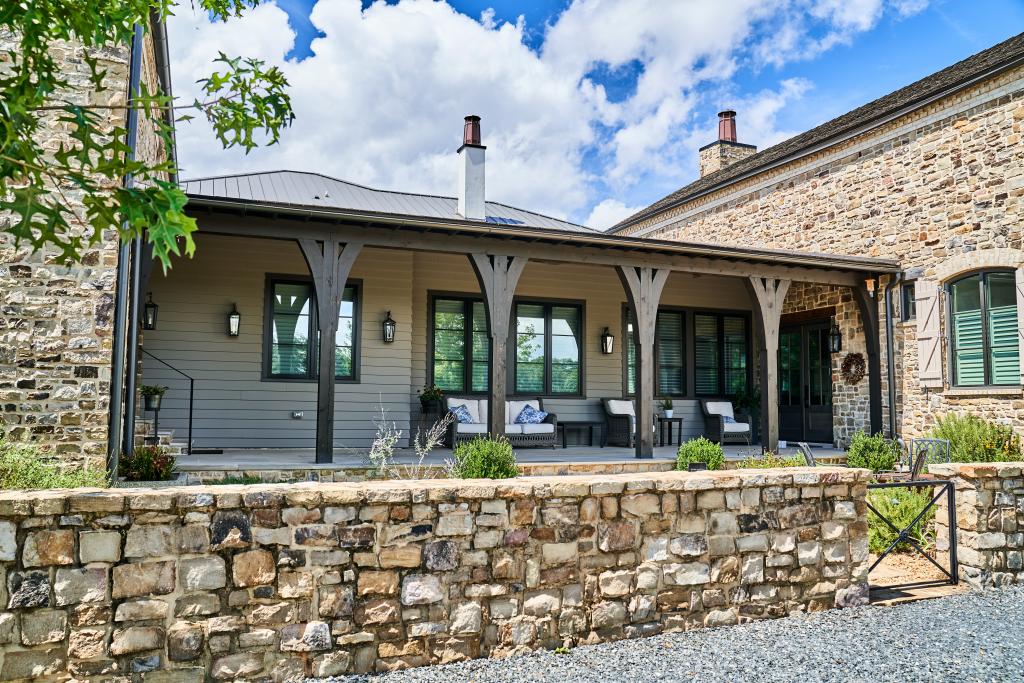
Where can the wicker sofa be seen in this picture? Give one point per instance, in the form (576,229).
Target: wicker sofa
(522,435)
(720,424)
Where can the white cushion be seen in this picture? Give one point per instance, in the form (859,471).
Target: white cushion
(513,408)
(466,428)
(471,406)
(482,409)
(513,429)
(723,408)
(542,428)
(736,427)
(621,407)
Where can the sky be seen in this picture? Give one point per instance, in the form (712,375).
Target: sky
(591,109)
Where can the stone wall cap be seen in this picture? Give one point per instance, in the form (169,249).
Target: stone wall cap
(976,470)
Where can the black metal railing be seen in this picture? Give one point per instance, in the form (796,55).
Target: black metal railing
(191,395)
(945,488)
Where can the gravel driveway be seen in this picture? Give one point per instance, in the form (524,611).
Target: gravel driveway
(967,637)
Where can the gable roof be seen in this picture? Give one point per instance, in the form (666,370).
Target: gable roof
(982,65)
(314,190)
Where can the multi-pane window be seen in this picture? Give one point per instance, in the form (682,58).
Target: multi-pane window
(461,345)
(908,305)
(984,336)
(547,348)
(669,354)
(721,354)
(292,338)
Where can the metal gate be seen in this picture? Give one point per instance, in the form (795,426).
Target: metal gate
(940,489)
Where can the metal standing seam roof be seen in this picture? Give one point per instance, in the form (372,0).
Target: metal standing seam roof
(314,190)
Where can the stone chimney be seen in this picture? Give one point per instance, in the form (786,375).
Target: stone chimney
(725,150)
(471,172)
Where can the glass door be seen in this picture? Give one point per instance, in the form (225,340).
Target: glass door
(805,383)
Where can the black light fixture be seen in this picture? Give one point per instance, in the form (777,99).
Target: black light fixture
(234,321)
(389,329)
(149,314)
(835,339)
(607,342)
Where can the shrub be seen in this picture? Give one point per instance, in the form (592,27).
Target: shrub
(700,450)
(147,463)
(770,459)
(972,439)
(23,466)
(901,506)
(483,459)
(876,453)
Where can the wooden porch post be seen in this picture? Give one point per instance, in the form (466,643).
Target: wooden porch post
(498,276)
(643,287)
(330,263)
(868,306)
(769,295)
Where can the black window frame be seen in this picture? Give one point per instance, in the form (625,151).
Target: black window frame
(685,344)
(908,305)
(467,301)
(268,334)
(581,343)
(986,348)
(748,340)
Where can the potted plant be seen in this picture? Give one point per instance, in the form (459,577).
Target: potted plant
(430,396)
(666,406)
(747,405)
(151,396)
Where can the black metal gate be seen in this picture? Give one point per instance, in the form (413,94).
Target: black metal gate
(940,489)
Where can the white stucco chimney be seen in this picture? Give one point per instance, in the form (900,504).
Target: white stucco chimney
(471,172)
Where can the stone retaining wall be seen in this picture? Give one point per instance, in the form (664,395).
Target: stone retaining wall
(277,582)
(989,520)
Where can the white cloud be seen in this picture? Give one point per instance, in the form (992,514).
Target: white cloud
(381,99)
(609,212)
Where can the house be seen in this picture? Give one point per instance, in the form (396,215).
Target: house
(932,176)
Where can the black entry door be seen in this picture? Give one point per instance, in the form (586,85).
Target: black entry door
(805,383)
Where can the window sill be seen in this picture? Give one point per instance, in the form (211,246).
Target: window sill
(984,391)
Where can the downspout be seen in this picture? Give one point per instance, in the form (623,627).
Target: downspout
(122,296)
(890,353)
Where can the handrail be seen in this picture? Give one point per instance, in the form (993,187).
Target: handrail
(191,395)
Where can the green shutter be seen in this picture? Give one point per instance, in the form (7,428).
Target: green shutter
(1003,345)
(969,354)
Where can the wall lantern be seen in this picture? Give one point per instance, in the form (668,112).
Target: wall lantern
(389,329)
(835,339)
(149,314)
(870,284)
(607,342)
(234,321)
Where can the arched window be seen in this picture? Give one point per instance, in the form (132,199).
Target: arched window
(984,338)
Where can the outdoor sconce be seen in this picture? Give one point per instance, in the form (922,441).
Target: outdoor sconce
(607,342)
(870,284)
(149,314)
(389,329)
(234,321)
(835,339)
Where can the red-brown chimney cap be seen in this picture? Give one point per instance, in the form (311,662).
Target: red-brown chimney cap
(727,125)
(471,131)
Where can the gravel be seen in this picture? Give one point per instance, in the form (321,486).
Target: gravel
(975,636)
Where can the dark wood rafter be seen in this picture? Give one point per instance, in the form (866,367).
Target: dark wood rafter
(868,306)
(768,295)
(498,275)
(643,286)
(330,263)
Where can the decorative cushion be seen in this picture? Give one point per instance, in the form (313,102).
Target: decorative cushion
(728,419)
(470,404)
(513,429)
(513,408)
(737,427)
(463,415)
(542,428)
(622,407)
(723,408)
(530,416)
(471,428)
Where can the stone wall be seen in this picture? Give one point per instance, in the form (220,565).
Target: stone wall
(940,183)
(989,520)
(277,582)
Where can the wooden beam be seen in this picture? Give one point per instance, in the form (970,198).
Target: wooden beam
(768,295)
(498,275)
(329,265)
(868,306)
(643,288)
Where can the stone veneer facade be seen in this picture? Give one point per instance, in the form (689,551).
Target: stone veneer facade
(56,321)
(940,185)
(279,582)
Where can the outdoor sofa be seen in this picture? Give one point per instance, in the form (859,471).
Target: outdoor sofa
(720,423)
(523,435)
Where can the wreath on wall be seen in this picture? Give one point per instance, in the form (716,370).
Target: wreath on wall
(853,368)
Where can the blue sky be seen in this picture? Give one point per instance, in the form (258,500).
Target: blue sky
(590,110)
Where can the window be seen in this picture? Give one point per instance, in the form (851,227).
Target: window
(669,354)
(547,348)
(983,344)
(461,345)
(291,337)
(908,305)
(721,354)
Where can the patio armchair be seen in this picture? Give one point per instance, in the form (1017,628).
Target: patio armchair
(620,419)
(720,424)
(521,435)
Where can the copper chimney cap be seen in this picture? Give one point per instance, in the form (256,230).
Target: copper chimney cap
(471,131)
(727,125)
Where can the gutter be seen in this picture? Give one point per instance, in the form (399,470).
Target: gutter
(890,354)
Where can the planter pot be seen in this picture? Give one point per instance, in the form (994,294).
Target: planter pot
(668,413)
(151,402)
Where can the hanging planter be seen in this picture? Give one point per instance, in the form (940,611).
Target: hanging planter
(853,368)
(152,396)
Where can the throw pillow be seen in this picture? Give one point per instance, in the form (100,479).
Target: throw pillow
(530,416)
(462,414)
(729,419)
